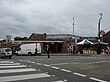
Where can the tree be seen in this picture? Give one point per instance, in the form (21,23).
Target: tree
(20,38)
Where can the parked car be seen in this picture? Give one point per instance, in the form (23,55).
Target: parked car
(6,53)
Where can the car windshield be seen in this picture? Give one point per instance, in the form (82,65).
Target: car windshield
(7,50)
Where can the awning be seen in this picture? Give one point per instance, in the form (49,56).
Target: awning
(103,43)
(85,42)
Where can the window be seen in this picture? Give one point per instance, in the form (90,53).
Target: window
(7,50)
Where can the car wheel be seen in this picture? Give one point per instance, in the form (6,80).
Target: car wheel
(29,53)
(10,57)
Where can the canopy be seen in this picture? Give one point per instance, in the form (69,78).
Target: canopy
(103,43)
(85,42)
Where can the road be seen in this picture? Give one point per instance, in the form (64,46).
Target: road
(55,69)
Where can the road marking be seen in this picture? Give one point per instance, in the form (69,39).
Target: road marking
(23,77)
(80,63)
(6,62)
(79,74)
(17,70)
(64,80)
(39,64)
(19,66)
(39,59)
(53,75)
(28,61)
(46,65)
(23,60)
(95,79)
(75,63)
(55,67)
(65,70)
(32,62)
(59,64)
(9,64)
(59,81)
(98,62)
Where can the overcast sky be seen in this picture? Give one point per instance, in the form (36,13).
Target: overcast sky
(24,17)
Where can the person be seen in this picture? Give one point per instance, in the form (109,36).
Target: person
(36,51)
(48,51)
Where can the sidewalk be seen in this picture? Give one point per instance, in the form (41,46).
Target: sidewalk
(67,54)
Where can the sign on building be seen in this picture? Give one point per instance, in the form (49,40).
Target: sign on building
(8,39)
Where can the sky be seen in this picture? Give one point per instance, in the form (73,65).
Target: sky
(24,17)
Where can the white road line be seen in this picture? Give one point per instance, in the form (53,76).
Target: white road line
(79,74)
(9,64)
(6,62)
(13,66)
(22,60)
(17,70)
(32,62)
(55,67)
(53,75)
(28,61)
(64,80)
(95,79)
(46,65)
(23,77)
(59,81)
(59,64)
(39,64)
(39,59)
(65,70)
(75,63)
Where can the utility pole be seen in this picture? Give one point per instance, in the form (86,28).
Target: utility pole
(99,51)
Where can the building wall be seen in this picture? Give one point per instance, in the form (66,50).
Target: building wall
(106,37)
(59,36)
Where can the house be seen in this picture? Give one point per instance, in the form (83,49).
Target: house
(35,36)
(59,42)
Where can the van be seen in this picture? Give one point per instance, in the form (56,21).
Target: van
(6,53)
(29,49)
(39,49)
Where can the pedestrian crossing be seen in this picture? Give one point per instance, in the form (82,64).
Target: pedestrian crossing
(10,71)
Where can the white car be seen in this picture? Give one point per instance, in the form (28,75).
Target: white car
(6,52)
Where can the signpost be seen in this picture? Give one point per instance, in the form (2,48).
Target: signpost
(8,40)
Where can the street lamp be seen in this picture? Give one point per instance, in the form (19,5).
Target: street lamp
(99,51)
(73,32)
(73,26)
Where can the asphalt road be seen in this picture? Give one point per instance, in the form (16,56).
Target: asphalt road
(55,69)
